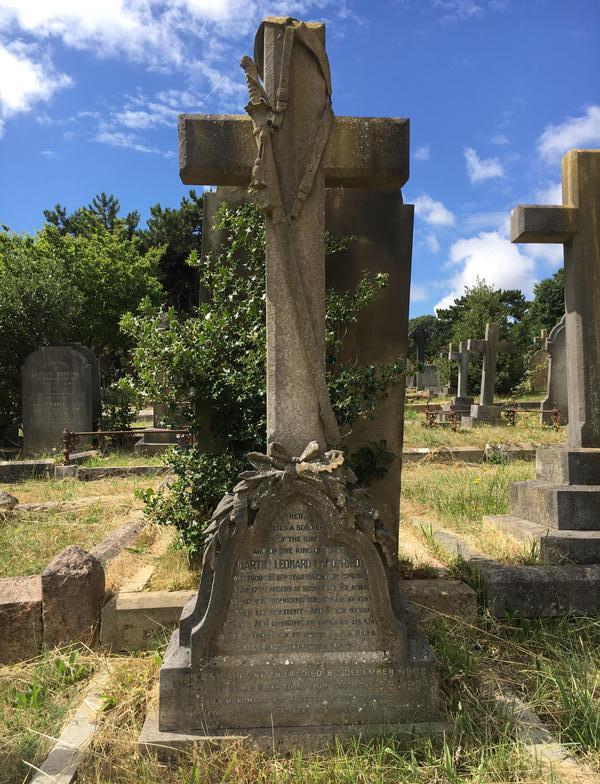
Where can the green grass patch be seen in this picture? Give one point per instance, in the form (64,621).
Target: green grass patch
(124,457)
(29,540)
(527,432)
(36,699)
(461,494)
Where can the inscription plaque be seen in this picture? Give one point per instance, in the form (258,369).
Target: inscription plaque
(57,394)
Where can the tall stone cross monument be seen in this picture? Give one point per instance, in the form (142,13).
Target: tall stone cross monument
(289,149)
(490,347)
(298,633)
(576,225)
(561,507)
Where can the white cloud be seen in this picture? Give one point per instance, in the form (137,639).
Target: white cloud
(433,212)
(422,153)
(482,221)
(417,293)
(490,257)
(552,254)
(480,169)
(499,139)
(127,140)
(581,131)
(463,10)
(432,243)
(550,194)
(26,78)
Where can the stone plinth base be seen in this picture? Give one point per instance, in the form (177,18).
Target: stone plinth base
(462,407)
(483,415)
(281,740)
(568,507)
(153,443)
(566,492)
(579,547)
(560,509)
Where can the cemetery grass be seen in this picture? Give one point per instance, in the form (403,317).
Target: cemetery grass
(456,497)
(526,433)
(40,491)
(36,699)
(29,540)
(124,457)
(554,665)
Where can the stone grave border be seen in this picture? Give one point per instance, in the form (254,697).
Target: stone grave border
(529,591)
(27,613)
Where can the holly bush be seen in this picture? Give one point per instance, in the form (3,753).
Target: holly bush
(216,358)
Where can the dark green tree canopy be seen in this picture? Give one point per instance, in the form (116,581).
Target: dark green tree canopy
(102,211)
(179,232)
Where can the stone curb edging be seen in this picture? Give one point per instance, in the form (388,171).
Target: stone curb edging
(539,743)
(30,606)
(467,454)
(61,764)
(530,591)
(118,540)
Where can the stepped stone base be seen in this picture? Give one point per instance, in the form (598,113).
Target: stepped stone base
(166,745)
(568,507)
(560,509)
(483,415)
(462,406)
(580,547)
(153,443)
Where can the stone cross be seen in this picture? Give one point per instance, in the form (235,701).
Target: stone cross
(576,225)
(289,149)
(540,340)
(490,347)
(420,334)
(462,357)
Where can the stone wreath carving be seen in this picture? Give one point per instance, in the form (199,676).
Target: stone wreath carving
(324,472)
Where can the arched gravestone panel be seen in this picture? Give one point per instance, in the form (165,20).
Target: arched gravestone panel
(56,383)
(295,627)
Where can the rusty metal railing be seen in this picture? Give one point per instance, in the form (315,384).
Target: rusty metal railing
(70,437)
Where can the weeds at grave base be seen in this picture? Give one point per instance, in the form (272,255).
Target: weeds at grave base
(458,497)
(36,698)
(553,665)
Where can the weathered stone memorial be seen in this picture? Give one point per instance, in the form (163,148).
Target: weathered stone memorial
(298,633)
(538,364)
(427,376)
(57,384)
(556,381)
(561,508)
(461,403)
(486,412)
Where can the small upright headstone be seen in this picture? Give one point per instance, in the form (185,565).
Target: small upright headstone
(556,375)
(486,412)
(57,393)
(538,363)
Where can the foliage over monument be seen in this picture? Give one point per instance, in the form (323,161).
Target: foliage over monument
(216,359)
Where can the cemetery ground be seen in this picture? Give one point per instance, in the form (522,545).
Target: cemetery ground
(553,665)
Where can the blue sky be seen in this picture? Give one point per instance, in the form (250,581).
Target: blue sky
(496,91)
